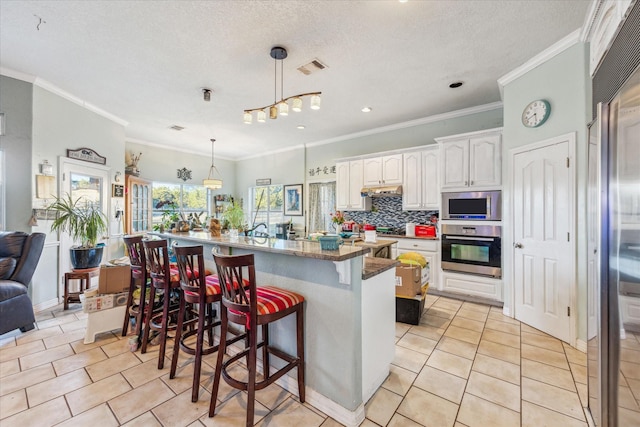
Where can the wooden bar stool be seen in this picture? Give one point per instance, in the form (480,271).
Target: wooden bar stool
(244,303)
(203,290)
(84,275)
(139,279)
(157,257)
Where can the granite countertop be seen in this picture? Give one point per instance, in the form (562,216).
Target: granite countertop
(301,248)
(374,266)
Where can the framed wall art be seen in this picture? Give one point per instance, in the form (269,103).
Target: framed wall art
(293,200)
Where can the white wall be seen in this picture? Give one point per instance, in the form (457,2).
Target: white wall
(565,83)
(44,125)
(16,101)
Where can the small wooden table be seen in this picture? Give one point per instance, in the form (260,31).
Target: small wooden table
(84,275)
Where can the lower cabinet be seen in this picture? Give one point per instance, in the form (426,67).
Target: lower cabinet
(430,250)
(467,284)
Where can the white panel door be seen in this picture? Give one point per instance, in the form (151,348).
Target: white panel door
(372,171)
(356,201)
(392,169)
(485,161)
(91,182)
(431,179)
(543,255)
(455,171)
(412,185)
(342,185)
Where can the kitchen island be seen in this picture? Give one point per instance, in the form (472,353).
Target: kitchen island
(349,315)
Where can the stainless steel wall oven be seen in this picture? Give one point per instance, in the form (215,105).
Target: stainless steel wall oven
(473,249)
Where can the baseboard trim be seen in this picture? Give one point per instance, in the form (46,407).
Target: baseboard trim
(581,345)
(464,297)
(317,400)
(45,305)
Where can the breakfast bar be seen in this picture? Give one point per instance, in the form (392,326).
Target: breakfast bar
(349,314)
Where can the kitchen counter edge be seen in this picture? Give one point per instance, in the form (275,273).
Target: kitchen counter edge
(299,248)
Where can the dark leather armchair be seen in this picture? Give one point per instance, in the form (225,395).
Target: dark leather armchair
(19,256)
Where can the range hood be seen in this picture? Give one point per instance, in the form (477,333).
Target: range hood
(382,191)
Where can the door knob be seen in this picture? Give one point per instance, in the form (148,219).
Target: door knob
(517,245)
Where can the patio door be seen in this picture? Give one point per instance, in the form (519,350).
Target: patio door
(90,182)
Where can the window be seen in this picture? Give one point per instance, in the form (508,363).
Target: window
(187,198)
(322,202)
(266,206)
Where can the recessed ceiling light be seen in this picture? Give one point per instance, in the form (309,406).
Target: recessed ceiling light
(403,1)
(300,126)
(455,85)
(366,109)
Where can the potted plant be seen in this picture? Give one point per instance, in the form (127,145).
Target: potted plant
(85,222)
(233,217)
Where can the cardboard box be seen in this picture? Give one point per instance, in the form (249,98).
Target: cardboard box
(114,279)
(103,302)
(408,280)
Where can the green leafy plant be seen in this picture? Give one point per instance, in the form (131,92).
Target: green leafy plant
(233,216)
(82,219)
(170,214)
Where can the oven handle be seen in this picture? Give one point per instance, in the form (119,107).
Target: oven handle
(481,239)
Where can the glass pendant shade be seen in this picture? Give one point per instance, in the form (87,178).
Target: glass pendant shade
(262,116)
(296,104)
(211,182)
(315,102)
(273,112)
(283,108)
(248,118)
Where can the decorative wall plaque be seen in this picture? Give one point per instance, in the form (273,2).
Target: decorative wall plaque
(184,174)
(87,155)
(263,181)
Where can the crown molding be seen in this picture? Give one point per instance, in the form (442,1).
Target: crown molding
(280,150)
(18,75)
(50,87)
(425,120)
(544,56)
(179,149)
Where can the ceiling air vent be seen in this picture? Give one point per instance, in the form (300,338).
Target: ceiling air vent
(314,65)
(176,127)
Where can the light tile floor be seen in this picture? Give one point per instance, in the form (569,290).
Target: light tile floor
(465,364)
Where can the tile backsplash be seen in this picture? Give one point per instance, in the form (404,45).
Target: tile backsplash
(387,212)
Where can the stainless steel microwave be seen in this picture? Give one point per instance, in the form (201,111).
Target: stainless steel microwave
(472,205)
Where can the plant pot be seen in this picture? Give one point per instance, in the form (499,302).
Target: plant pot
(86,257)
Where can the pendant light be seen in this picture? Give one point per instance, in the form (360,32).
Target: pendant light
(281,107)
(211,182)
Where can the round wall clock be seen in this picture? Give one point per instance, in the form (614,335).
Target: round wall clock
(536,113)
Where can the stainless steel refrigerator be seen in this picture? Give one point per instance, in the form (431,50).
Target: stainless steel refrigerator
(613,329)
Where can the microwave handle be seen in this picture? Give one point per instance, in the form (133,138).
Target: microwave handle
(481,239)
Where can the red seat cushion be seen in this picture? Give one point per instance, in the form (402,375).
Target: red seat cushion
(213,286)
(272,300)
(175,273)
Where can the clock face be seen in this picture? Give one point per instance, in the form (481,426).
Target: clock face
(536,113)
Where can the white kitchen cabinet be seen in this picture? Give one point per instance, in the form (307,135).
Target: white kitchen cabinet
(430,250)
(471,161)
(420,184)
(608,17)
(349,182)
(385,170)
(467,284)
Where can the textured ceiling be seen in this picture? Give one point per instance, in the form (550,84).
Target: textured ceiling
(146,61)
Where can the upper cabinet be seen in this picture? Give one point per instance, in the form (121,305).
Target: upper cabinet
(608,16)
(386,170)
(420,187)
(471,160)
(349,182)
(138,205)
